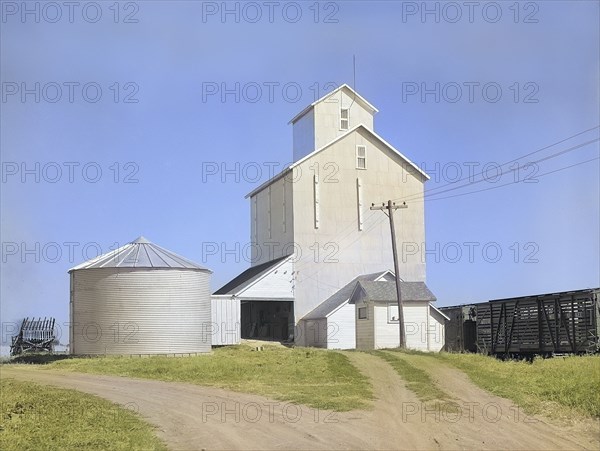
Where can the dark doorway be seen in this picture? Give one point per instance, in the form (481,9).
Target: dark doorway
(268,320)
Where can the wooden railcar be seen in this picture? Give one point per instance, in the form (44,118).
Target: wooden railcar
(461,330)
(547,324)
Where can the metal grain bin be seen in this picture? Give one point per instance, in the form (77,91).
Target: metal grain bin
(140,299)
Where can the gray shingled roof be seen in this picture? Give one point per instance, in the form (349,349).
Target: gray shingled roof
(339,297)
(386,291)
(139,253)
(244,279)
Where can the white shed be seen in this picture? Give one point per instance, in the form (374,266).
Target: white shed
(140,299)
(261,300)
(332,325)
(226,325)
(377,316)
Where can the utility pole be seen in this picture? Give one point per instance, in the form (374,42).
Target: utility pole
(391,207)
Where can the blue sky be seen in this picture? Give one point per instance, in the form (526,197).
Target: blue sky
(154,126)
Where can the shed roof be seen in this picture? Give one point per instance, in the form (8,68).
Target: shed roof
(247,277)
(386,291)
(139,253)
(339,297)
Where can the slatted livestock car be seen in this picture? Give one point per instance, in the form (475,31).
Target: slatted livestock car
(547,324)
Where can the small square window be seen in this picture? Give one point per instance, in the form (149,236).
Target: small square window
(344,118)
(361,157)
(362,313)
(392,313)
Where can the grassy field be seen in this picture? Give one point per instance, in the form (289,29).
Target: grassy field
(317,378)
(560,386)
(556,387)
(36,417)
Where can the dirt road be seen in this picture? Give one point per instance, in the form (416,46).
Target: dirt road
(190,417)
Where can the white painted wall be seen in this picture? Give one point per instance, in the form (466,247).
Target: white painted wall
(226,320)
(424,327)
(327,117)
(415,326)
(385,335)
(338,331)
(437,331)
(337,251)
(277,284)
(321,124)
(341,328)
(304,135)
(272,234)
(344,250)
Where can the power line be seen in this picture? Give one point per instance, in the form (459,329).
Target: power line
(380,219)
(562,152)
(347,230)
(306,260)
(418,195)
(510,183)
(377,222)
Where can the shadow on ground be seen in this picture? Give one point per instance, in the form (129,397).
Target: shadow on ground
(37,359)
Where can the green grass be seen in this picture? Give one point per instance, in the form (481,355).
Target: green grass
(317,378)
(416,379)
(556,387)
(37,417)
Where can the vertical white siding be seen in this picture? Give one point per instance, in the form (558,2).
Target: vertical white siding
(386,335)
(341,328)
(327,117)
(275,285)
(415,326)
(226,321)
(272,221)
(437,331)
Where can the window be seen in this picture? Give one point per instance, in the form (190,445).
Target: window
(359,203)
(254,220)
(283,209)
(269,212)
(362,313)
(316,200)
(344,118)
(392,313)
(361,157)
